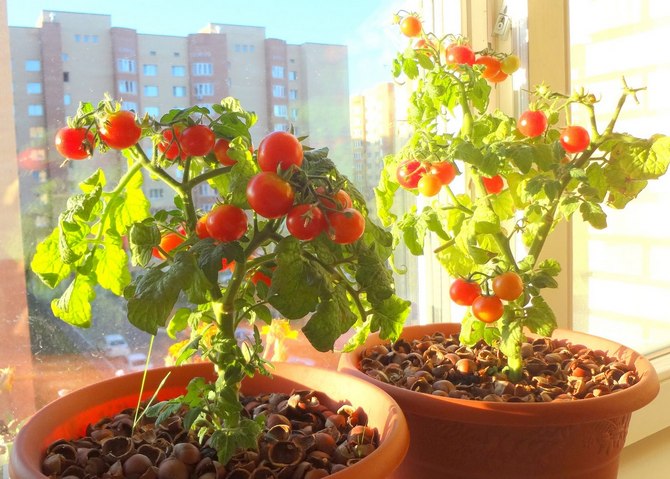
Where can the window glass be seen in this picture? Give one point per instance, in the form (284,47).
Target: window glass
(34,88)
(277,71)
(179,91)
(278,91)
(150,90)
(126,65)
(178,70)
(150,69)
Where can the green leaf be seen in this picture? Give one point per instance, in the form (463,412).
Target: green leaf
(47,263)
(74,306)
(484,218)
(228,440)
(593,214)
(142,239)
(178,322)
(472,330)
(511,337)
(540,319)
(331,319)
(388,317)
(424,60)
(112,266)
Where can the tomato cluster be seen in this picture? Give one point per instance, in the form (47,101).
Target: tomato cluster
(428,178)
(507,286)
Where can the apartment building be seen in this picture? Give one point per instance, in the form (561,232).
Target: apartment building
(71,57)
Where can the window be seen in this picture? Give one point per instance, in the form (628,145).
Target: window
(127,86)
(203,89)
(179,91)
(155,193)
(35,110)
(67,99)
(278,91)
(150,90)
(178,70)
(280,111)
(33,65)
(126,65)
(129,105)
(66,76)
(64,57)
(294,114)
(152,111)
(33,88)
(150,70)
(277,71)
(280,127)
(37,133)
(293,75)
(293,94)
(201,69)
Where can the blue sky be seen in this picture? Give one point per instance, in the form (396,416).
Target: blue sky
(363,25)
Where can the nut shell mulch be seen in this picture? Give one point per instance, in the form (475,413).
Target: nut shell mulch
(302,439)
(554,370)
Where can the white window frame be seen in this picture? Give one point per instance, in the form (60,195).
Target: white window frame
(151,90)
(202,69)
(278,91)
(178,70)
(126,65)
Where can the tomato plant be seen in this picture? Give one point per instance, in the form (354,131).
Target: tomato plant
(510,64)
(460,55)
(494,184)
(201,228)
(226,223)
(574,138)
(410,26)
(464,292)
(306,221)
(169,241)
(532,123)
(261,277)
(346,226)
(487,308)
(429,185)
(270,195)
(445,171)
(409,173)
(75,143)
(508,286)
(170,146)
(197,140)
(491,66)
(279,150)
(221,152)
(119,130)
(340,200)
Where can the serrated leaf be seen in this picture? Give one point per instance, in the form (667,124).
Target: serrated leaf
(47,263)
(74,305)
(593,214)
(540,319)
(388,317)
(331,319)
(112,267)
(142,239)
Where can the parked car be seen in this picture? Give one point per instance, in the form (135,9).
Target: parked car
(134,362)
(114,346)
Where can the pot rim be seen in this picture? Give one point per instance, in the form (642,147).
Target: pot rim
(517,414)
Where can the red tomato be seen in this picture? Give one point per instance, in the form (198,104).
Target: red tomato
(225,265)
(226,223)
(305,222)
(574,139)
(508,286)
(340,200)
(169,145)
(410,26)
(429,185)
(346,226)
(487,308)
(409,173)
(259,276)
(120,130)
(444,170)
(168,242)
(491,66)
(197,140)
(464,292)
(221,152)
(498,77)
(279,150)
(532,123)
(75,143)
(460,55)
(270,195)
(201,228)
(494,184)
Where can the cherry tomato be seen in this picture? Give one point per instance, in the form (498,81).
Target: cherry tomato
(444,170)
(464,292)
(169,241)
(574,139)
(225,265)
(498,77)
(201,228)
(221,152)
(305,222)
(410,26)
(532,123)
(169,145)
(510,64)
(346,226)
(75,143)
(491,66)
(270,195)
(409,173)
(487,308)
(494,184)
(119,130)
(259,276)
(197,140)
(508,286)
(460,55)
(429,185)
(279,149)
(340,200)
(226,223)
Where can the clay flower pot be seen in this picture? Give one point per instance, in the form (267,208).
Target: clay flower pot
(455,438)
(68,416)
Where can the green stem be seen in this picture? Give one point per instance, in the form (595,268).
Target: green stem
(208,175)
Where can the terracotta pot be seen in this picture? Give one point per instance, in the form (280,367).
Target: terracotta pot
(68,416)
(455,438)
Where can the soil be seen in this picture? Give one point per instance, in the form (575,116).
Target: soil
(302,439)
(553,370)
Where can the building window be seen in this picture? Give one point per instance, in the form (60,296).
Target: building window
(152,53)
(77,37)
(203,89)
(178,70)
(252,48)
(281,127)
(277,71)
(150,90)
(176,54)
(152,111)
(35,110)
(37,132)
(64,57)
(150,70)
(67,99)
(34,88)
(126,65)
(95,39)
(294,113)
(179,91)
(127,86)
(66,76)
(129,105)
(278,91)
(201,69)
(293,94)
(155,192)
(293,75)
(33,65)
(280,111)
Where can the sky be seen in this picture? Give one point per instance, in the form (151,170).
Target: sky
(363,25)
